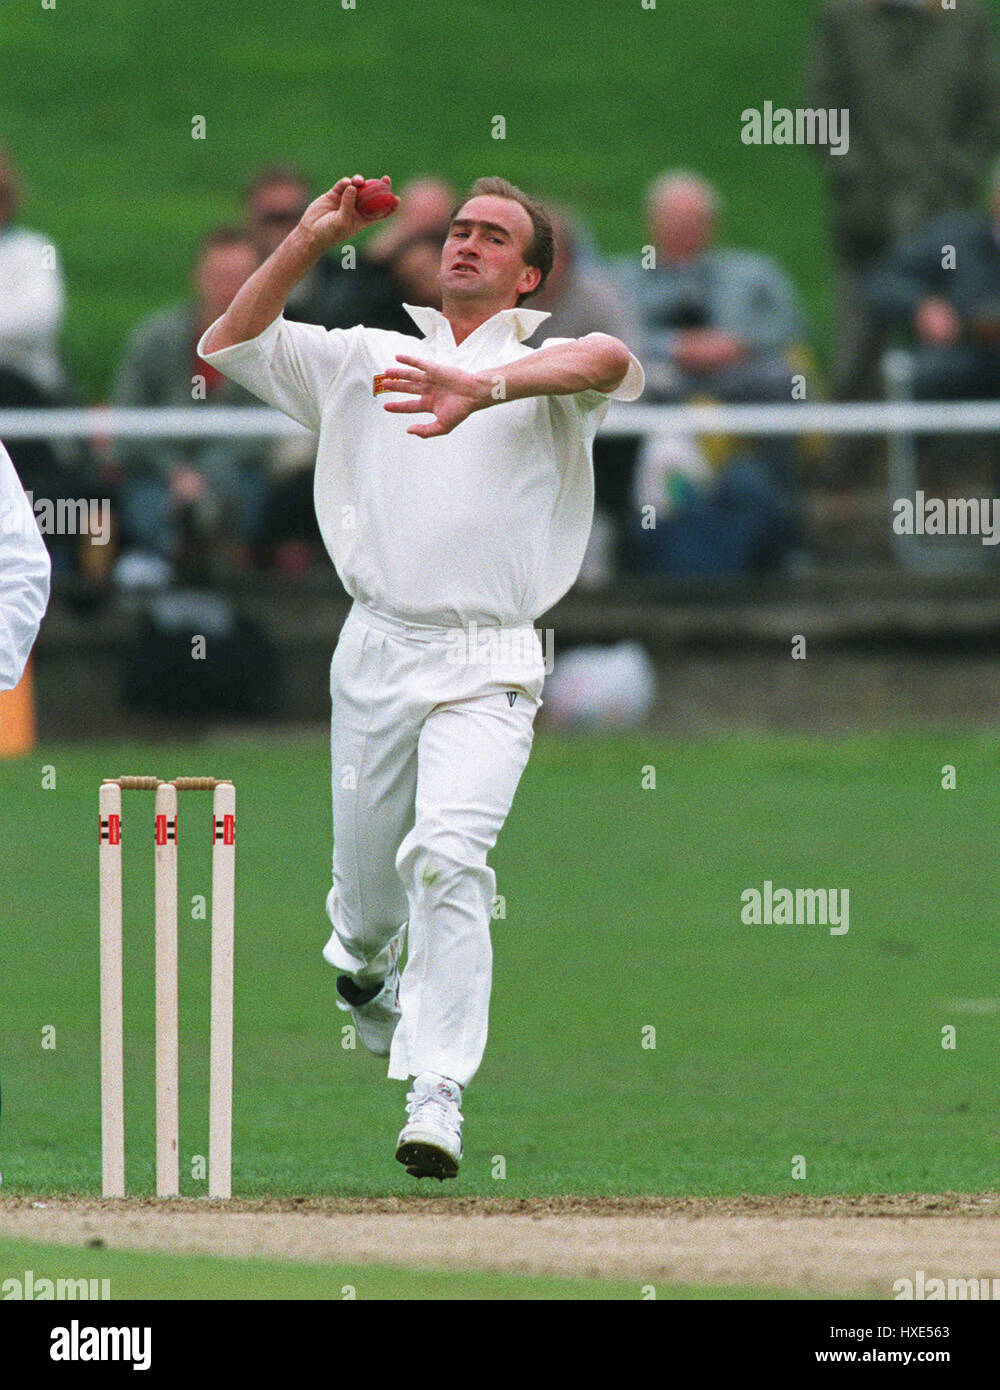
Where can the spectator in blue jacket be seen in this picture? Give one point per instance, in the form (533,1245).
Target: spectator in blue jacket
(725,325)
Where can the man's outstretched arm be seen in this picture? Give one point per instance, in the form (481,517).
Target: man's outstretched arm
(329,220)
(597,362)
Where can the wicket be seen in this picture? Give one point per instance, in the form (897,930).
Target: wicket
(112,1011)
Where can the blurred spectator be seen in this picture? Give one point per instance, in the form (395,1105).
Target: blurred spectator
(426,205)
(949,302)
(276,198)
(415,267)
(580,299)
(920,81)
(373,291)
(724,322)
(173,489)
(695,520)
(389,269)
(32,301)
(722,325)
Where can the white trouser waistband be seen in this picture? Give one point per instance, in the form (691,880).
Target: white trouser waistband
(423,632)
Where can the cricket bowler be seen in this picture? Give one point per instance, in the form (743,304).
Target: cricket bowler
(452,533)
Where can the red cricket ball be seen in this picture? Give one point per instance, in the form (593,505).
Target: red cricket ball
(374,197)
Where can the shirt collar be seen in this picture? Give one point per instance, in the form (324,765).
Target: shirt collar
(520,322)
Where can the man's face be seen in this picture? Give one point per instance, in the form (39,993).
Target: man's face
(274,211)
(682,222)
(483,257)
(221,272)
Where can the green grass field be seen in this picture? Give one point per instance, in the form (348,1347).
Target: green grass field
(98,99)
(136,1275)
(622,913)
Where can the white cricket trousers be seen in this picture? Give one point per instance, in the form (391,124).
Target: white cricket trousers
(431,730)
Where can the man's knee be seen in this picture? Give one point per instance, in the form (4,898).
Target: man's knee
(434,855)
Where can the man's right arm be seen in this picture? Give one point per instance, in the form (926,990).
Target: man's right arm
(329,220)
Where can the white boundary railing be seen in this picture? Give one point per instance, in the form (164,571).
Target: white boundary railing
(149,422)
(900,420)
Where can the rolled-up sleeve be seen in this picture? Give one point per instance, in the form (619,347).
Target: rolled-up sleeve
(630,388)
(24,576)
(290,365)
(632,385)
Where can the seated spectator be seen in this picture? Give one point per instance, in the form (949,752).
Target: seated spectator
(384,279)
(941,287)
(694,520)
(407,274)
(32,300)
(921,81)
(415,268)
(173,489)
(275,200)
(332,294)
(580,298)
(724,322)
(425,209)
(720,325)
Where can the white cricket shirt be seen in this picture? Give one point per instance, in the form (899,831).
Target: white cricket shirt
(488,523)
(32,300)
(24,576)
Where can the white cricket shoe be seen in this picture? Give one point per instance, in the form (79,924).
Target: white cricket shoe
(375,1009)
(430,1143)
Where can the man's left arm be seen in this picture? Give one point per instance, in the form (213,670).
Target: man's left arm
(597,363)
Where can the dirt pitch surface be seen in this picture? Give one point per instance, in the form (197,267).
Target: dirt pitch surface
(847,1245)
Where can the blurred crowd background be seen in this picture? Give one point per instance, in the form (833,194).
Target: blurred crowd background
(713,317)
(712,321)
(708,321)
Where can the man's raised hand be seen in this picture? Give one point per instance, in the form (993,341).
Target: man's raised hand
(447,393)
(333,217)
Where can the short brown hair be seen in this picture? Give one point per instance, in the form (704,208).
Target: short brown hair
(225,236)
(273,176)
(541,249)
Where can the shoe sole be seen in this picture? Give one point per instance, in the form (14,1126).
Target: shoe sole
(423,1160)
